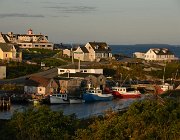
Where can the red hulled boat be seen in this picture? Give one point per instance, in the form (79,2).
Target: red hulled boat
(123,92)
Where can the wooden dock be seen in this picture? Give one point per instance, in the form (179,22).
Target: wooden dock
(5,104)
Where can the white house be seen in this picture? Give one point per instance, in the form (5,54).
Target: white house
(92,71)
(139,55)
(81,53)
(98,50)
(29,40)
(159,54)
(92,51)
(67,52)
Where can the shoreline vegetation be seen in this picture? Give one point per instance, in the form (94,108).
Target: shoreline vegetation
(152,118)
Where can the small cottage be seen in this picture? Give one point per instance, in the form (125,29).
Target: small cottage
(40,85)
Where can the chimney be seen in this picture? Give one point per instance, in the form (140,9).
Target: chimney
(30,32)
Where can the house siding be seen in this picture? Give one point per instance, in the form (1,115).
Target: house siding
(78,54)
(92,55)
(2,72)
(152,56)
(95,71)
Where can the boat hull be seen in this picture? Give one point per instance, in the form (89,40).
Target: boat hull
(58,100)
(93,97)
(76,101)
(116,94)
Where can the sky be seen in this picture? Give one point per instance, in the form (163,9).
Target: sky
(82,21)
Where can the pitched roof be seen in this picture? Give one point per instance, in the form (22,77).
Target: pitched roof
(37,81)
(6,47)
(5,38)
(84,49)
(161,51)
(100,46)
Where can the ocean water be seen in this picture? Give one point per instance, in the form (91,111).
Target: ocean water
(128,50)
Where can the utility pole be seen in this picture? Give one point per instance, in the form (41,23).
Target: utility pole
(79,65)
(164,74)
(72,54)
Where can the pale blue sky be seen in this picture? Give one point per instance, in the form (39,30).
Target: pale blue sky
(80,21)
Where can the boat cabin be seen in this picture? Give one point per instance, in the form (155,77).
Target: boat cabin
(63,96)
(119,89)
(166,87)
(94,91)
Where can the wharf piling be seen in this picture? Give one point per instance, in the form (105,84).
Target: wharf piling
(5,104)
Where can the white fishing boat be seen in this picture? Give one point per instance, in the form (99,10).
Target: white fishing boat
(59,99)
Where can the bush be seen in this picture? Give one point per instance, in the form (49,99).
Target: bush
(41,124)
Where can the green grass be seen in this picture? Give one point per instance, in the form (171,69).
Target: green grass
(15,69)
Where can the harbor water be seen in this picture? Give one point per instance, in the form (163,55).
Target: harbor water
(83,110)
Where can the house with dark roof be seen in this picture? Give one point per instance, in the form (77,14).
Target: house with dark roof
(159,54)
(10,52)
(92,51)
(29,40)
(98,50)
(40,85)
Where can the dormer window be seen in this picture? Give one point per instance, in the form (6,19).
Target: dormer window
(157,51)
(96,46)
(164,50)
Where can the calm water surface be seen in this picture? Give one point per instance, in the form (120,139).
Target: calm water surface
(83,110)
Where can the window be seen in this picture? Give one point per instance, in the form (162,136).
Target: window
(85,70)
(40,89)
(61,70)
(6,55)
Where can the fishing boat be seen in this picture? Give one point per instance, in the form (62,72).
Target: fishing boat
(160,89)
(123,92)
(59,98)
(166,87)
(93,94)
